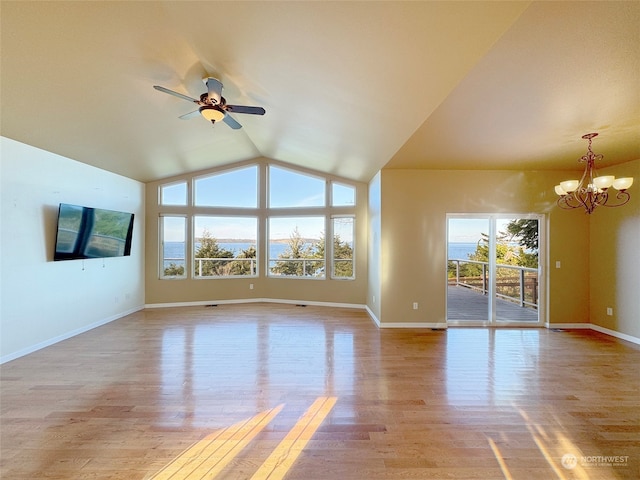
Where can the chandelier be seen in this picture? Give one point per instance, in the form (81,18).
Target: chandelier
(592,190)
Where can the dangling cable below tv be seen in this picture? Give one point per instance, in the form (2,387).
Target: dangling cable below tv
(85,232)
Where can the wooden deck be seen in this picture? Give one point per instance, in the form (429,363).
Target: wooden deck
(464,304)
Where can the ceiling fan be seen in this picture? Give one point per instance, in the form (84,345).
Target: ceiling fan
(213,106)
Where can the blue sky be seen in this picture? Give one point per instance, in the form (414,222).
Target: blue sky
(465,230)
(287,189)
(239,188)
(469,230)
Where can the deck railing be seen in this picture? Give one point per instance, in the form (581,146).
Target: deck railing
(313,267)
(513,283)
(202,262)
(303,267)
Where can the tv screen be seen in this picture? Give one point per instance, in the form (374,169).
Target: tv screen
(85,232)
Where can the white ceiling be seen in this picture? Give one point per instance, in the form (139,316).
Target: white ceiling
(349,87)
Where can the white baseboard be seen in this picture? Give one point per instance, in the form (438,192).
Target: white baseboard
(256,300)
(372,315)
(597,328)
(303,302)
(613,333)
(567,325)
(66,335)
(374,318)
(380,324)
(199,303)
(413,325)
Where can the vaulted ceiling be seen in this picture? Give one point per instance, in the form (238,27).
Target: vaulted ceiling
(348,87)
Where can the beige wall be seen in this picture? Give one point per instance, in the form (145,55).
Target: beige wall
(413,238)
(374,296)
(190,290)
(615,259)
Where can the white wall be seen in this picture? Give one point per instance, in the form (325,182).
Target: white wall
(42,301)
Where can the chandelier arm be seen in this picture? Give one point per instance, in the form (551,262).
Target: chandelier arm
(562,203)
(585,198)
(601,198)
(570,201)
(624,198)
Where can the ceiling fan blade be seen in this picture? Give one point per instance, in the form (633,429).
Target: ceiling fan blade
(189,115)
(214,89)
(229,120)
(245,109)
(175,94)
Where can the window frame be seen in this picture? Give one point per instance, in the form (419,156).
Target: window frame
(161,249)
(268,267)
(341,184)
(353,247)
(262,213)
(226,171)
(256,263)
(302,173)
(161,187)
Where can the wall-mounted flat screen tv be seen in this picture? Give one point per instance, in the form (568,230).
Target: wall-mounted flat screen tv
(85,232)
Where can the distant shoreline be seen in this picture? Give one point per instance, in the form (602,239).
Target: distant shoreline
(253,242)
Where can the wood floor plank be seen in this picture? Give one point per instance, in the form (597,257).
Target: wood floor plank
(124,400)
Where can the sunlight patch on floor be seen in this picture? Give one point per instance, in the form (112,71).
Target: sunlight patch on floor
(556,448)
(283,457)
(208,457)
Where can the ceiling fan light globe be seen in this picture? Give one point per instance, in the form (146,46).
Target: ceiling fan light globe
(211,113)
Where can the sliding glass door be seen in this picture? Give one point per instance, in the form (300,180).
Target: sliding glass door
(494,270)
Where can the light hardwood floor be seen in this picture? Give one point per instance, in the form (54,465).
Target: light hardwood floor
(278,391)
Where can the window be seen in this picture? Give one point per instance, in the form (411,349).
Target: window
(173,194)
(233,188)
(342,195)
(297,247)
(257,219)
(342,252)
(289,189)
(225,246)
(172,246)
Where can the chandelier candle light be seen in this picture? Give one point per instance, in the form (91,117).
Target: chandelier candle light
(592,190)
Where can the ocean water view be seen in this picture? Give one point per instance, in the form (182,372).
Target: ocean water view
(461,250)
(175,250)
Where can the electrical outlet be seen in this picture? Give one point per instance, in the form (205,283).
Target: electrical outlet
(415,305)
(557,263)
(609,311)
(251,286)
